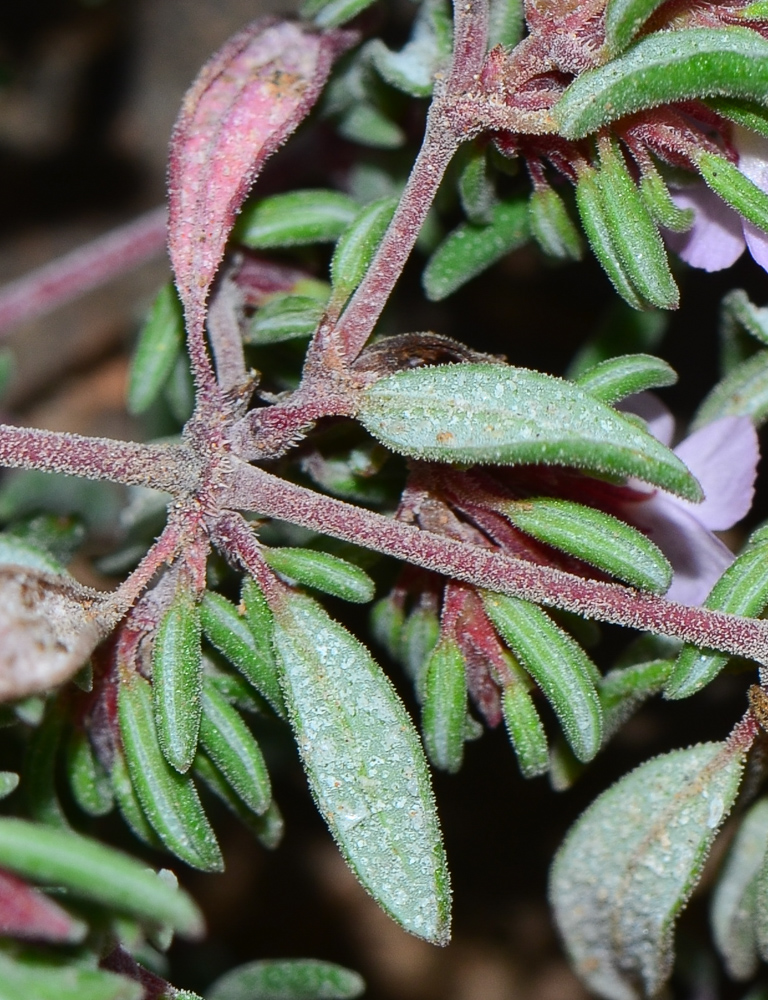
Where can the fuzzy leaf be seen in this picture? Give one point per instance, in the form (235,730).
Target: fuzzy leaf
(506,22)
(168,799)
(267,828)
(526,733)
(552,227)
(322,571)
(9,782)
(745,113)
(231,747)
(43,979)
(629,864)
(597,538)
(365,767)
(160,342)
(616,378)
(470,250)
(248,649)
(734,900)
(743,392)
(286,317)
(444,711)
(368,125)
(128,802)
(296,218)
(623,20)
(418,637)
(738,191)
(665,67)
(356,247)
(292,979)
(557,663)
(177,677)
(741,590)
(331,13)
(498,414)
(624,689)
(656,196)
(244,104)
(476,188)
(88,780)
(412,69)
(90,870)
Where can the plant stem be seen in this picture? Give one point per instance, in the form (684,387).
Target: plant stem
(87,267)
(260,491)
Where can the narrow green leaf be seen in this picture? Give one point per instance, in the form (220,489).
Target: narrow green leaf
(128,803)
(666,67)
(526,732)
(177,677)
(506,23)
(22,552)
(247,648)
(40,768)
(412,69)
(322,571)
(42,979)
(292,979)
(356,247)
(368,125)
(92,871)
(733,187)
(656,196)
(332,13)
(179,390)
(160,343)
(88,780)
(599,539)
(418,638)
(486,413)
(737,310)
(470,250)
(286,317)
(623,20)
(267,828)
(734,901)
(233,750)
(742,393)
(557,663)
(168,799)
(365,767)
(629,864)
(591,203)
(444,711)
(741,590)
(624,689)
(298,217)
(476,189)
(552,227)
(745,113)
(9,782)
(387,621)
(616,378)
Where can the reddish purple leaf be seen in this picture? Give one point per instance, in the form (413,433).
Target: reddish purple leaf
(28,914)
(244,104)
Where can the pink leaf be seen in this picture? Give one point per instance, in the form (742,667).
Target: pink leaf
(244,104)
(26,913)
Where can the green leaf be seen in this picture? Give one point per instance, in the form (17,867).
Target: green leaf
(332,13)
(128,803)
(444,712)
(285,317)
(656,196)
(295,218)
(322,571)
(160,343)
(629,864)
(40,767)
(9,782)
(179,390)
(599,539)
(526,732)
(665,67)
(487,413)
(742,393)
(476,188)
(292,979)
(418,638)
(552,227)
(412,69)
(733,187)
(622,330)
(365,767)
(368,125)
(741,590)
(268,828)
(40,978)
(356,247)
(387,621)
(177,677)
(22,552)
(745,113)
(89,870)
(623,20)
(247,648)
(593,212)
(231,747)
(168,799)
(623,690)
(506,23)
(557,663)
(88,780)
(734,901)
(470,250)
(616,378)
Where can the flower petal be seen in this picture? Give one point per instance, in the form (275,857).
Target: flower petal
(753,163)
(723,456)
(661,423)
(716,240)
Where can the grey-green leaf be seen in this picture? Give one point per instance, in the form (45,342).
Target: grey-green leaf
(485,413)
(616,378)
(298,217)
(444,711)
(743,392)
(629,864)
(557,663)
(292,979)
(365,767)
(92,871)
(665,67)
(322,571)
(597,538)
(9,782)
(160,343)
(168,799)
(470,250)
(332,13)
(41,978)
(177,677)
(412,69)
(552,227)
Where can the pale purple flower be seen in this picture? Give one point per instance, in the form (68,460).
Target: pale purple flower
(719,235)
(723,456)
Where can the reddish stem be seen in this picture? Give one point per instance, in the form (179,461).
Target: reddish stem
(62,280)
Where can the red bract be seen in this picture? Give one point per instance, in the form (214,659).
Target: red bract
(244,104)
(26,913)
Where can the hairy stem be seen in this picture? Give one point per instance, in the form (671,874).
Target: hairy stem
(258,490)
